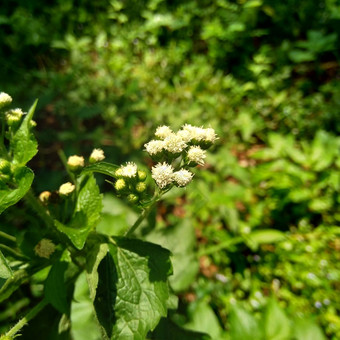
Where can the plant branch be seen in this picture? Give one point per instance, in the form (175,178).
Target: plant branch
(29,316)
(7,236)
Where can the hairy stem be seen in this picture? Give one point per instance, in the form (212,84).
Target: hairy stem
(29,316)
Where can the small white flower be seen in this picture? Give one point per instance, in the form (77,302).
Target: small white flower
(185,135)
(174,143)
(183,177)
(5,99)
(196,155)
(66,188)
(154,147)
(97,155)
(129,170)
(162,173)
(75,162)
(195,132)
(163,131)
(210,135)
(44,196)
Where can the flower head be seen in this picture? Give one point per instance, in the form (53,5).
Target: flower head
(5,99)
(14,116)
(120,184)
(210,135)
(162,173)
(182,177)
(196,155)
(163,131)
(75,162)
(129,170)
(66,188)
(174,143)
(45,196)
(45,248)
(154,147)
(97,155)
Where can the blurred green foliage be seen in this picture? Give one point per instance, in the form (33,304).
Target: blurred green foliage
(264,74)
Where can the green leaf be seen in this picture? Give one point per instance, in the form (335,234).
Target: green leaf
(203,319)
(307,329)
(23,178)
(55,289)
(23,144)
(276,323)
(180,240)
(86,213)
(168,330)
(255,238)
(84,325)
(128,284)
(5,269)
(243,326)
(103,168)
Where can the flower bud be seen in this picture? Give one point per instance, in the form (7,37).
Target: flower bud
(132,198)
(118,173)
(97,155)
(141,175)
(33,123)
(182,177)
(120,184)
(129,170)
(13,117)
(45,248)
(75,163)
(162,174)
(140,187)
(163,131)
(5,166)
(66,189)
(196,155)
(5,99)
(45,196)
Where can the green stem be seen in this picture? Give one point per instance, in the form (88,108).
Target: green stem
(28,317)
(2,136)
(63,159)
(7,236)
(157,195)
(39,209)
(13,252)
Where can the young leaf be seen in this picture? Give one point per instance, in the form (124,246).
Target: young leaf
(5,269)
(23,178)
(243,326)
(307,329)
(23,144)
(102,167)
(276,323)
(128,284)
(86,214)
(55,289)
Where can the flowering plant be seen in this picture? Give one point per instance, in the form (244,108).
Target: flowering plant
(127,277)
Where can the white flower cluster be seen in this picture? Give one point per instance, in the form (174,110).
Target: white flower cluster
(180,150)
(5,99)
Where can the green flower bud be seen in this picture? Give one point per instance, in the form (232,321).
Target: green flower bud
(142,175)
(5,166)
(140,187)
(13,117)
(33,123)
(120,184)
(118,173)
(75,163)
(132,198)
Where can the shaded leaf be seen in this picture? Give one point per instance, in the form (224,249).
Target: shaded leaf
(5,269)
(23,144)
(23,178)
(103,168)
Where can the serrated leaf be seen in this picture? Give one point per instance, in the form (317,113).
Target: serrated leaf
(103,168)
(243,326)
(5,269)
(129,288)
(23,144)
(23,178)
(86,213)
(180,240)
(276,323)
(55,289)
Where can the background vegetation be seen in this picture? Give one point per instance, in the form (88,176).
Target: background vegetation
(255,238)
